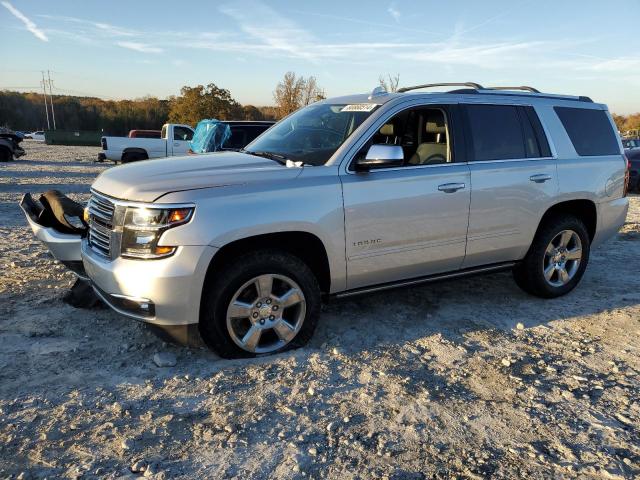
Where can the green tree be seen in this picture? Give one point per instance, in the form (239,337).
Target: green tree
(200,102)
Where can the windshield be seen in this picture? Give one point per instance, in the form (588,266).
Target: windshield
(313,134)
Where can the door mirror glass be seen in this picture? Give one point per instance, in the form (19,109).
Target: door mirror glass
(381,156)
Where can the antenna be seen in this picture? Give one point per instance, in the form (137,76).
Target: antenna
(53,113)
(46,108)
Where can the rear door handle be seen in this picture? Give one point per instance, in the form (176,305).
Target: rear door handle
(451,187)
(540,178)
(176,144)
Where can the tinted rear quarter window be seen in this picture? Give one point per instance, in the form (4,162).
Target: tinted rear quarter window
(590,131)
(495,132)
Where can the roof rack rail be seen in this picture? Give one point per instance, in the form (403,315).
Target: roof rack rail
(522,87)
(474,85)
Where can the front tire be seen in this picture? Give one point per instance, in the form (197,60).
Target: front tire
(556,259)
(263,303)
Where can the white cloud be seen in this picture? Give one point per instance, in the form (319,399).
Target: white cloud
(394,12)
(32,27)
(140,47)
(491,55)
(271,30)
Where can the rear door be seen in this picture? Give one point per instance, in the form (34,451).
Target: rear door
(181,138)
(513,180)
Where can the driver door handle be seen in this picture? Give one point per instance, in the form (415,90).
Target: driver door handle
(176,144)
(451,187)
(540,178)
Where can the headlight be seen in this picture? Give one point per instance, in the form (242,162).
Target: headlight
(144,226)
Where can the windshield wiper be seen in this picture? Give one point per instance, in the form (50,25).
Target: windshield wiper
(281,159)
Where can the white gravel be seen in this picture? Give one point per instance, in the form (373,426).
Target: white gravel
(467,379)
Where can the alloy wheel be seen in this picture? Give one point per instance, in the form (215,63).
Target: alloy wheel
(562,258)
(266,313)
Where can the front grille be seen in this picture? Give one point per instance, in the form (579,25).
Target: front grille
(101,211)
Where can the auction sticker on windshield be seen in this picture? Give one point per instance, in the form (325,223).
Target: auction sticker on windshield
(359,107)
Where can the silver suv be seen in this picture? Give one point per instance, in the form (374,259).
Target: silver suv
(352,195)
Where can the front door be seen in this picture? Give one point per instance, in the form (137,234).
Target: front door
(182,136)
(408,221)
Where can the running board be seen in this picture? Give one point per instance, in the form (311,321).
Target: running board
(430,278)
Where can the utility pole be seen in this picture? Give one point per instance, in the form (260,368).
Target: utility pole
(46,108)
(53,113)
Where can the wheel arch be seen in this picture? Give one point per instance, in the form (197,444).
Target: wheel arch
(583,209)
(304,245)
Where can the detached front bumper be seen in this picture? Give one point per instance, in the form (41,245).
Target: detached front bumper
(64,247)
(163,292)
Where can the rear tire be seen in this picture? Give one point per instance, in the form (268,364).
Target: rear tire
(133,157)
(556,259)
(264,302)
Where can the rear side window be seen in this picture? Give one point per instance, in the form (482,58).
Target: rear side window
(495,132)
(590,131)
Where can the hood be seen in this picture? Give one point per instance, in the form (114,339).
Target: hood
(147,180)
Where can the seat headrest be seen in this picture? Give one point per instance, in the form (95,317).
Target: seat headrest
(387,129)
(435,124)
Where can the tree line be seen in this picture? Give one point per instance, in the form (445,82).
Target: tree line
(26,111)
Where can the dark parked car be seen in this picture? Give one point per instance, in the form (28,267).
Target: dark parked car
(629,143)
(10,148)
(634,168)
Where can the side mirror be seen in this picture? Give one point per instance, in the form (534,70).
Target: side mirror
(381,156)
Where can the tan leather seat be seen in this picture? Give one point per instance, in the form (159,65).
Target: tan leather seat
(388,131)
(432,152)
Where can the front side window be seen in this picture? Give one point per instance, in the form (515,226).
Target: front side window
(423,134)
(590,131)
(312,134)
(495,133)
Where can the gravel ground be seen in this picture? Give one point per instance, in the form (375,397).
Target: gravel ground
(465,379)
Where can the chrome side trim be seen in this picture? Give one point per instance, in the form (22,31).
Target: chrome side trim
(431,278)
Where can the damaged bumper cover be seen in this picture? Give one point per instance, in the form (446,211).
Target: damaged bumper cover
(65,246)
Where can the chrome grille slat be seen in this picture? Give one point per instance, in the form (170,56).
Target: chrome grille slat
(101,211)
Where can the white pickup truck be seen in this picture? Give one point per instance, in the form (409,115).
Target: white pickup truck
(173,141)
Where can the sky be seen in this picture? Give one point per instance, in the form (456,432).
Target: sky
(119,49)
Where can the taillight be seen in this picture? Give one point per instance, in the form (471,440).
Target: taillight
(103,141)
(626,176)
